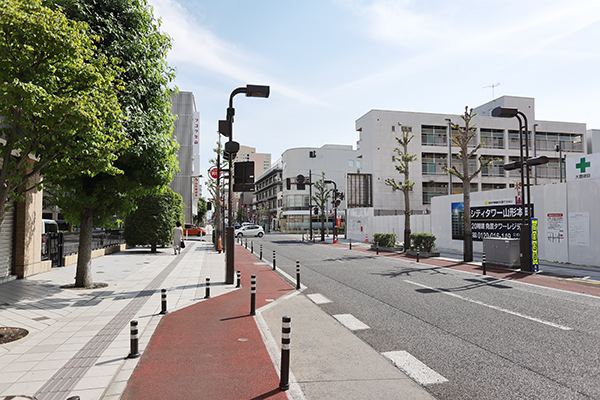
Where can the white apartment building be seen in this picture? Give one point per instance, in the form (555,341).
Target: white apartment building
(337,161)
(499,138)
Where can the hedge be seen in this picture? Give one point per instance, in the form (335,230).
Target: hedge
(385,239)
(422,241)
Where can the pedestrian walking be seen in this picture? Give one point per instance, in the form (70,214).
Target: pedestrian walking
(177,237)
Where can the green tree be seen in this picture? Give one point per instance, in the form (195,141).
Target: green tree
(321,198)
(130,34)
(462,139)
(58,103)
(202,210)
(153,221)
(217,189)
(406,186)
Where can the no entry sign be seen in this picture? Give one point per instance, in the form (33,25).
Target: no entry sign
(214,173)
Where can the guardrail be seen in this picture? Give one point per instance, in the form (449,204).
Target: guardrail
(55,246)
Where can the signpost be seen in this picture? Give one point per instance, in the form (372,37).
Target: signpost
(214,172)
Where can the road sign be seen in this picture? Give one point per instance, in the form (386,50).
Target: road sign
(214,173)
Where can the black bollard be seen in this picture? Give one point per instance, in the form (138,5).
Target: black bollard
(484,264)
(350,243)
(274,261)
(377,248)
(297,275)
(417,255)
(163,295)
(207,289)
(260,258)
(253,295)
(246,243)
(239,279)
(286,330)
(134,352)
(252,246)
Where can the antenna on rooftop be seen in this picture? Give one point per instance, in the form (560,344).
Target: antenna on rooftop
(492,86)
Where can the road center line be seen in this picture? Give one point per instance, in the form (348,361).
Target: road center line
(552,324)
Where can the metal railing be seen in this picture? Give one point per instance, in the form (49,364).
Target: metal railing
(55,246)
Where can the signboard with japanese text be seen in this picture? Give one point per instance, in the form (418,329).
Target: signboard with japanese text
(583,167)
(555,227)
(196,142)
(501,221)
(535,260)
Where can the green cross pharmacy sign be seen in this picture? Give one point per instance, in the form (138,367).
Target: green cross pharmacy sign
(583,167)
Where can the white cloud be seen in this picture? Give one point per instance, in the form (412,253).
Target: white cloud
(196,46)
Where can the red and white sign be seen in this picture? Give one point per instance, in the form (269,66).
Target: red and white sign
(518,193)
(214,173)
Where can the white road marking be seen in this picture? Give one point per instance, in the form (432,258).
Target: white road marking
(260,263)
(318,298)
(414,368)
(541,321)
(351,322)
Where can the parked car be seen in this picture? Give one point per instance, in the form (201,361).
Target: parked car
(250,230)
(193,230)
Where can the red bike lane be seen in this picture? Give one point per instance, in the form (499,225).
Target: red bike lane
(213,349)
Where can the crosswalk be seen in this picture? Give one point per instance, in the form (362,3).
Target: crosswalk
(403,360)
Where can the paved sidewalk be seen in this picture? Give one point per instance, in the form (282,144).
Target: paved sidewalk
(202,349)
(77,338)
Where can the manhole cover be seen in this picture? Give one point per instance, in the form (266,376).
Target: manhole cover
(8,335)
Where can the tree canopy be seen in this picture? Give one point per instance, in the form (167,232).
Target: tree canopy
(58,99)
(132,35)
(152,222)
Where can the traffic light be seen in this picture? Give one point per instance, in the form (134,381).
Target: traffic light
(288,184)
(316,210)
(337,202)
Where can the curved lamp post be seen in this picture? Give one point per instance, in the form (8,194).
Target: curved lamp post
(231,149)
(523,165)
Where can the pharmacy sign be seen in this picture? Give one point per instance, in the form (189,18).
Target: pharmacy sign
(583,167)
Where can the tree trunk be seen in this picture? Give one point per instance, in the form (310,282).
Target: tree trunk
(406,220)
(83,276)
(322,227)
(153,247)
(468,240)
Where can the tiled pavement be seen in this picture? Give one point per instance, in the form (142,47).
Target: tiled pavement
(78,339)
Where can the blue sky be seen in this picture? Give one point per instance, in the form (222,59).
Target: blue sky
(328,62)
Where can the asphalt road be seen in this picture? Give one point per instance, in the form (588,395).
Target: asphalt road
(489,338)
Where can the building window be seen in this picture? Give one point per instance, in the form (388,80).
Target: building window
(496,168)
(433,164)
(351,163)
(433,135)
(492,138)
(569,142)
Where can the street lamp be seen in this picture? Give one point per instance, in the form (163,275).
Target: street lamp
(449,139)
(231,149)
(523,164)
(559,148)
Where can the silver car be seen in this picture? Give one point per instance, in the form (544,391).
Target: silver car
(250,230)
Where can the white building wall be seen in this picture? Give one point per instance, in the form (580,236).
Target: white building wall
(334,160)
(379,128)
(570,199)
